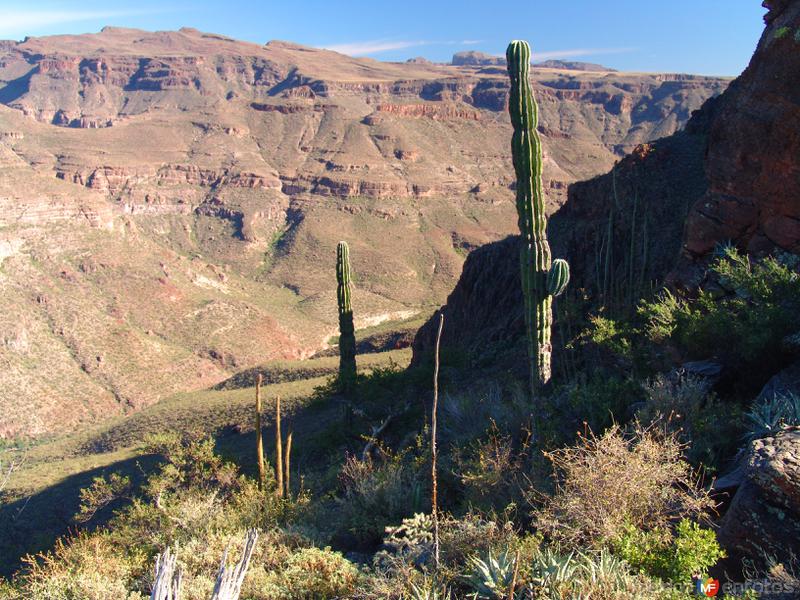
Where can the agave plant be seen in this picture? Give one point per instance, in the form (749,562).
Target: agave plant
(769,416)
(429,590)
(604,567)
(551,568)
(491,577)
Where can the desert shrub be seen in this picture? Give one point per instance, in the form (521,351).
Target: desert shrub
(315,574)
(611,336)
(103,491)
(492,469)
(376,493)
(745,326)
(685,406)
(595,402)
(464,415)
(86,567)
(607,482)
(8,591)
(196,504)
(677,557)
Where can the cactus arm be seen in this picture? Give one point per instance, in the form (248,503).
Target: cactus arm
(558,277)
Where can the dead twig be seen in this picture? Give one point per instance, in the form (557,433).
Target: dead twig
(434,479)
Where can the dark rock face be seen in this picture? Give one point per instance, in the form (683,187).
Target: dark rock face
(764,517)
(484,308)
(753,198)
(622,230)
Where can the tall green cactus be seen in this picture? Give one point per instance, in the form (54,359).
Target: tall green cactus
(347,336)
(540,280)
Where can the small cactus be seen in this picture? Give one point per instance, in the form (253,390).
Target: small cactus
(347,337)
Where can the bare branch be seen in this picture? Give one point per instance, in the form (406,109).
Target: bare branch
(168,577)
(229,581)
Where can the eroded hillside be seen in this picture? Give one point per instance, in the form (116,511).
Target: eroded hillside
(170,202)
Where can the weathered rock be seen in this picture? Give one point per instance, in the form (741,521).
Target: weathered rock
(484,309)
(764,517)
(475,58)
(753,198)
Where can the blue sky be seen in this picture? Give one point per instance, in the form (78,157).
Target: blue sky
(714,37)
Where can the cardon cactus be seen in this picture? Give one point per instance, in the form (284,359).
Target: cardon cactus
(540,281)
(347,336)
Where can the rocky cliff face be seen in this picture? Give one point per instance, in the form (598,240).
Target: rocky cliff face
(170,202)
(753,198)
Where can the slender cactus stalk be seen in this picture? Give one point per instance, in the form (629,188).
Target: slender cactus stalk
(434,452)
(262,470)
(535,261)
(278,448)
(288,458)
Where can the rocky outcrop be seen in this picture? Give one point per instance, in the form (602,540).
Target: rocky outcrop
(754,142)
(441,111)
(113,179)
(764,517)
(483,315)
(572,65)
(475,58)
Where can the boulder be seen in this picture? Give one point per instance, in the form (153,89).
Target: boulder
(764,517)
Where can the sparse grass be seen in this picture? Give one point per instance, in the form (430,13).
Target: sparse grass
(56,469)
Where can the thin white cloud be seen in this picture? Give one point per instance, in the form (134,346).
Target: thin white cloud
(378,46)
(24,21)
(573,52)
(374,46)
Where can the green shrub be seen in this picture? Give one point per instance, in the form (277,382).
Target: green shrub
(314,574)
(595,402)
(376,494)
(87,567)
(745,326)
(610,335)
(677,557)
